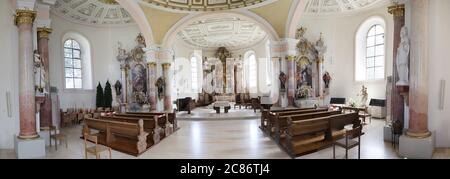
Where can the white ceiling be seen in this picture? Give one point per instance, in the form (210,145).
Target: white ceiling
(203,5)
(339,7)
(230,32)
(92,12)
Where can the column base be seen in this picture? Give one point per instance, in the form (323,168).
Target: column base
(417,148)
(29,148)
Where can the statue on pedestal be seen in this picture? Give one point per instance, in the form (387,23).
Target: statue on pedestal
(364,96)
(39,73)
(403,58)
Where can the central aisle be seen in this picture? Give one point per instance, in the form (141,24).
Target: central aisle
(226,139)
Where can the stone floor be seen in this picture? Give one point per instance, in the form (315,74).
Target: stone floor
(209,114)
(227,139)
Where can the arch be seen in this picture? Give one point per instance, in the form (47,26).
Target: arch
(138,15)
(171,35)
(86,55)
(295,13)
(361,43)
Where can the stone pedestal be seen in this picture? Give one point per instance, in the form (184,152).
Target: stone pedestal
(29,149)
(417,148)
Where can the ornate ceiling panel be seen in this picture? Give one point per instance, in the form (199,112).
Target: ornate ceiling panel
(324,7)
(230,32)
(202,5)
(92,12)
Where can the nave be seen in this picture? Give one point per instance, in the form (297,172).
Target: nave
(235,139)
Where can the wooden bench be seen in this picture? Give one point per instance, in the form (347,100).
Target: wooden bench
(280,122)
(310,135)
(161,120)
(265,116)
(149,126)
(171,117)
(126,137)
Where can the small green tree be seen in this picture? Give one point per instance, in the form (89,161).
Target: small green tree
(108,95)
(100,101)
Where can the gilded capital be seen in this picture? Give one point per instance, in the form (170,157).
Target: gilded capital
(24,17)
(44,32)
(398,10)
(290,58)
(166,65)
(151,64)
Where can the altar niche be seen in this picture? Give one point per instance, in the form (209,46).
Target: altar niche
(135,81)
(309,68)
(219,73)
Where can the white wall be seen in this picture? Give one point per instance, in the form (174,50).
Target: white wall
(339,35)
(439,63)
(103,42)
(9,72)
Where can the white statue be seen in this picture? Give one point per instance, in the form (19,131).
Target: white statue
(403,58)
(39,73)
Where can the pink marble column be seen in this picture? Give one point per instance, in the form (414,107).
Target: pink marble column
(168,88)
(151,85)
(397,100)
(291,80)
(46,107)
(24,21)
(418,92)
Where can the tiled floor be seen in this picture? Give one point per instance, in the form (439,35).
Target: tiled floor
(233,139)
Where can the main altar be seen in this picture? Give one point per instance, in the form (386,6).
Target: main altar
(222,78)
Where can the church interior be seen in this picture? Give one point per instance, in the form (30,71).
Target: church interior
(224,79)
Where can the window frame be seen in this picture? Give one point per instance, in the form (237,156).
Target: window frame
(194,88)
(73,68)
(360,43)
(375,46)
(249,74)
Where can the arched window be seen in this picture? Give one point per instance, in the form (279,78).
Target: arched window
(73,65)
(194,73)
(370,50)
(375,53)
(252,72)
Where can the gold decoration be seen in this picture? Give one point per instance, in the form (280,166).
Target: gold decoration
(398,10)
(45,128)
(24,17)
(110,2)
(33,137)
(418,135)
(166,66)
(151,64)
(44,32)
(290,58)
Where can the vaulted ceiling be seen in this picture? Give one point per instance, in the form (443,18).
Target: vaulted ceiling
(92,12)
(336,7)
(230,32)
(202,5)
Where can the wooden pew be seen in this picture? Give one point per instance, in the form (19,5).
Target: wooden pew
(171,117)
(149,126)
(310,135)
(161,120)
(265,116)
(274,117)
(281,123)
(126,137)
